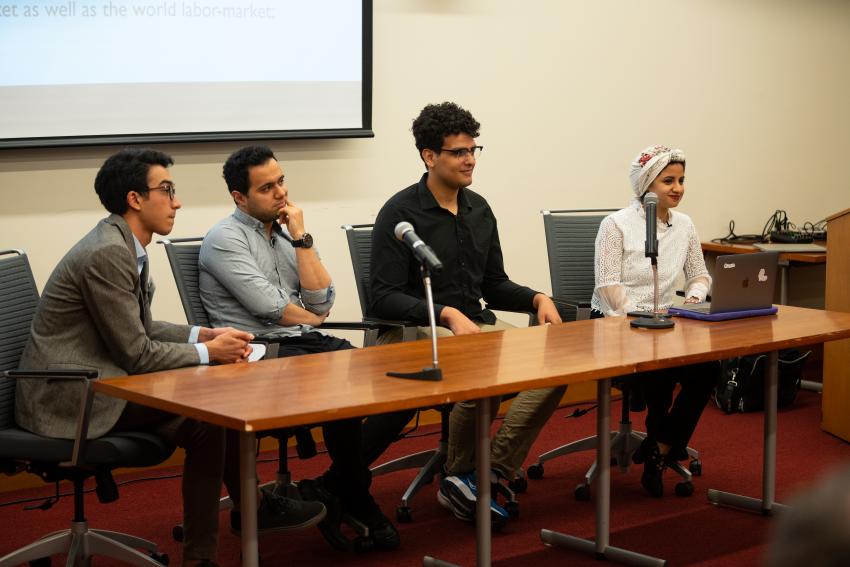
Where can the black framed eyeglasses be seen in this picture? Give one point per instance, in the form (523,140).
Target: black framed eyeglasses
(166,187)
(461,153)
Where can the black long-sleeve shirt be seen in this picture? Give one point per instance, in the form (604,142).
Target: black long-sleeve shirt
(466,243)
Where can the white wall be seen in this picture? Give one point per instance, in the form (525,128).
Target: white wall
(567,92)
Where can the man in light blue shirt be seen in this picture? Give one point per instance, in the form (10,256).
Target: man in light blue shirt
(259,271)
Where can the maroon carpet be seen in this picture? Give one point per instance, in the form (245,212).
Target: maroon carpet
(685,531)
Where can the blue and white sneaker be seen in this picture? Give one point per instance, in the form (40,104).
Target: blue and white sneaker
(459,493)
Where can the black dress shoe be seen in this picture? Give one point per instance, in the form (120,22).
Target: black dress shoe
(314,490)
(653,468)
(382,532)
(677,454)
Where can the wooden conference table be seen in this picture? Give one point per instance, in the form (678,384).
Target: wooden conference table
(314,388)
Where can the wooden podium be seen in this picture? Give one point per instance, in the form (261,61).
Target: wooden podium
(836,355)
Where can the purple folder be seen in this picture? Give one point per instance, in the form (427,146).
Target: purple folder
(681,312)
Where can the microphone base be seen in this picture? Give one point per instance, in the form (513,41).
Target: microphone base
(652,323)
(431,374)
(646,314)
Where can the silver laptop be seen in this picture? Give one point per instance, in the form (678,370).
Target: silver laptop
(740,282)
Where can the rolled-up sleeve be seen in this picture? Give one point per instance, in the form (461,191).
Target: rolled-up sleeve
(318,301)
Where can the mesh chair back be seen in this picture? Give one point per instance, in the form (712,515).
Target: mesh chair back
(571,244)
(183,256)
(360,247)
(18,303)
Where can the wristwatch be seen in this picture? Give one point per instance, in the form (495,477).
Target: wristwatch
(306,241)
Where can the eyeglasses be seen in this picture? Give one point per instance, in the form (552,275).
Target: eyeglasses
(166,187)
(461,153)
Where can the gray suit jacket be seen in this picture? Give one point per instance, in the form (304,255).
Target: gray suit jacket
(93,315)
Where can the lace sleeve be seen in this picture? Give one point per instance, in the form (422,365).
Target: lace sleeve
(697,281)
(608,261)
(698,287)
(694,262)
(608,268)
(614,300)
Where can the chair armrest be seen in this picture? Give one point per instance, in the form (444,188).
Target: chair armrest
(350,325)
(51,375)
(389,322)
(581,307)
(85,376)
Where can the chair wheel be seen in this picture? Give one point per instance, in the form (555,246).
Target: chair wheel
(535,471)
(403,514)
(159,557)
(695,466)
(684,489)
(40,562)
(512,508)
(582,493)
(364,544)
(177,532)
(518,484)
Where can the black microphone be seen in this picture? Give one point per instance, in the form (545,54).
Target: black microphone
(650,202)
(404,231)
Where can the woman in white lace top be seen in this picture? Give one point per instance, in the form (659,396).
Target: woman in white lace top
(624,283)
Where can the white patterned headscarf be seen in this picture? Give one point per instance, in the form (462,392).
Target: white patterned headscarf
(649,164)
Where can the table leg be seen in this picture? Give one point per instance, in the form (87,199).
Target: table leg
(482,457)
(783,282)
(600,547)
(766,505)
(482,506)
(248,488)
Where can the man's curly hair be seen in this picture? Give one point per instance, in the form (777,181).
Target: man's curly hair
(436,121)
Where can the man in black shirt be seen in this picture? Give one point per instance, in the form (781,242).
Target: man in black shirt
(460,227)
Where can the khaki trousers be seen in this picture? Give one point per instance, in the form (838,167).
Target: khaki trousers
(528,413)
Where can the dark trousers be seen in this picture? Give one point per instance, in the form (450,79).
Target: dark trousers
(203,469)
(670,421)
(382,430)
(667,421)
(348,476)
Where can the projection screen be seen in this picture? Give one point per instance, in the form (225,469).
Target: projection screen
(74,72)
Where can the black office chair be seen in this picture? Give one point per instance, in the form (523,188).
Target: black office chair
(55,460)
(571,246)
(182,255)
(430,463)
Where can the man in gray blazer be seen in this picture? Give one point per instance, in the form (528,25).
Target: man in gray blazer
(95,314)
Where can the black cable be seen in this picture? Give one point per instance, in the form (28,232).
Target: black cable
(56,497)
(733,238)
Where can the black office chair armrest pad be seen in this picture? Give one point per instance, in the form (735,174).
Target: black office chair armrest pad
(351,325)
(568,302)
(389,322)
(58,374)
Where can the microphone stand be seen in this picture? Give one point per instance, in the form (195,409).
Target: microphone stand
(657,320)
(433,372)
